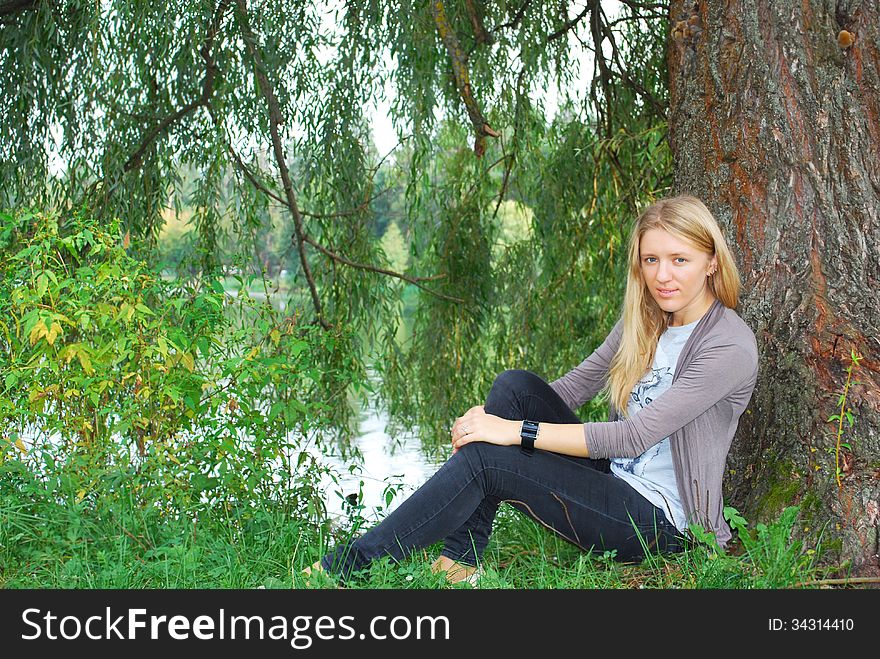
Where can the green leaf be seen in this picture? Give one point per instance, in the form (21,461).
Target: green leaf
(297,347)
(733,516)
(144,309)
(42,284)
(275,410)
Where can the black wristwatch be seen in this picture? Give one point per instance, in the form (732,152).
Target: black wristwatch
(528,434)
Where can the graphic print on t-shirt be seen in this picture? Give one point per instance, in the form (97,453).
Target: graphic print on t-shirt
(642,395)
(652,474)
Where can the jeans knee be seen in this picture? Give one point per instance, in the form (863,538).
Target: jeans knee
(515,380)
(507,389)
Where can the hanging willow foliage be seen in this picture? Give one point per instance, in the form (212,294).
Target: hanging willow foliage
(104,104)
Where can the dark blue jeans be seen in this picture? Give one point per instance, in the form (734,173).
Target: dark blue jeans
(577,498)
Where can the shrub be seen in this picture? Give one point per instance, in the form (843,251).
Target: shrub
(113,380)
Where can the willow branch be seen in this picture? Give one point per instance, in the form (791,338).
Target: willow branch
(244,169)
(334,255)
(570,24)
(638,18)
(361,266)
(633,84)
(136,158)
(362,206)
(482,129)
(513,22)
(274,120)
(480,34)
(632,4)
(512,156)
(605,75)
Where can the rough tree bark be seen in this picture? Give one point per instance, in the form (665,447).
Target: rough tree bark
(775,122)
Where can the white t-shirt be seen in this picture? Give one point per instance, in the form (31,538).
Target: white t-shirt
(652,474)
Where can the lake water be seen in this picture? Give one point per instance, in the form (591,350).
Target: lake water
(401,463)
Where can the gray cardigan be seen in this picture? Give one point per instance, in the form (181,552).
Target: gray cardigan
(712,385)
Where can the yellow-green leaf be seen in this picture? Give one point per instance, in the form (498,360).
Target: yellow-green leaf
(85,361)
(126,311)
(54,331)
(67,353)
(38,331)
(20,445)
(144,309)
(188,361)
(275,335)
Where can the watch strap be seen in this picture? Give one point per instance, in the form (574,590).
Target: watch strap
(528,434)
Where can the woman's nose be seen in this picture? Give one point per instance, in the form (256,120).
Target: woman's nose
(663,272)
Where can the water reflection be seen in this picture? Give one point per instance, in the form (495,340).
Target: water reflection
(400,463)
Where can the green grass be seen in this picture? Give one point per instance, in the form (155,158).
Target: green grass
(68,545)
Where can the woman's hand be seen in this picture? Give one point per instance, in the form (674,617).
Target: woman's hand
(477,426)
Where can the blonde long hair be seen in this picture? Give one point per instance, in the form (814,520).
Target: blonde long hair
(688,219)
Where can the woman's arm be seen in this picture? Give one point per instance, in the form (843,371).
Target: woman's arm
(565,438)
(477,426)
(712,376)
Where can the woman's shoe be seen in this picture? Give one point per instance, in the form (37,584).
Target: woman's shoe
(316,576)
(473,579)
(452,569)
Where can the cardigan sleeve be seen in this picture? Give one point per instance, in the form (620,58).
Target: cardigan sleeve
(714,374)
(586,379)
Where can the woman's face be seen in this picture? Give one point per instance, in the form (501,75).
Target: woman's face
(675,273)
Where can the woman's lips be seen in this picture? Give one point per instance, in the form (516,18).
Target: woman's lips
(667,293)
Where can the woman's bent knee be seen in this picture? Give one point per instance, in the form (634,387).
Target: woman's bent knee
(516,380)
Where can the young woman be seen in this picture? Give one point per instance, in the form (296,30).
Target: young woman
(678,368)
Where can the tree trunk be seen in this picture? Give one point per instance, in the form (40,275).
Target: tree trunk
(775,123)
